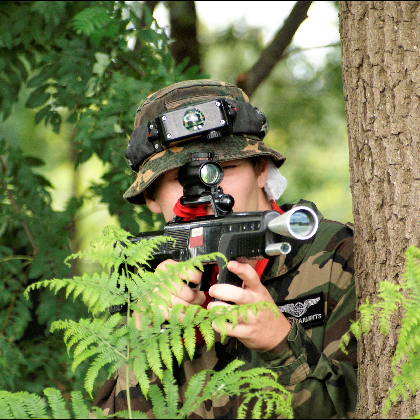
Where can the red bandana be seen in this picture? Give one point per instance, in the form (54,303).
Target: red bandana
(188,213)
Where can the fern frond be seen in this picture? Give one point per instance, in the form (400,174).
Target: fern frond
(18,407)
(160,410)
(140,253)
(165,350)
(221,326)
(200,315)
(96,338)
(55,284)
(190,340)
(171,394)
(195,387)
(99,414)
(344,342)
(104,359)
(86,333)
(5,411)
(86,354)
(356,329)
(56,403)
(217,379)
(176,343)
(126,415)
(153,357)
(78,405)
(140,370)
(21,405)
(207,332)
(367,312)
(390,297)
(98,292)
(257,409)
(190,315)
(243,312)
(258,384)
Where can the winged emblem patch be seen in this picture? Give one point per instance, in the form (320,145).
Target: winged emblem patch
(299,308)
(308,310)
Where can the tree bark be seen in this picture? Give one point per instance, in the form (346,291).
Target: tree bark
(381,79)
(183,21)
(272,54)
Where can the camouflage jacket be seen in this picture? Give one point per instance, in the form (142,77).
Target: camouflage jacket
(314,287)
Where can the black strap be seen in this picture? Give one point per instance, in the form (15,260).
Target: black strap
(248,119)
(139,147)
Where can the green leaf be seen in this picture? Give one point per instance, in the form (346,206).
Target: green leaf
(193,391)
(40,78)
(171,394)
(158,402)
(80,410)
(56,403)
(38,97)
(86,21)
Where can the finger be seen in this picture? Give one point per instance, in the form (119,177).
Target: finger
(246,273)
(163,264)
(216,303)
(237,331)
(187,294)
(190,276)
(189,298)
(229,293)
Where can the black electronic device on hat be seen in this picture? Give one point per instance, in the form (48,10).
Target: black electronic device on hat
(210,120)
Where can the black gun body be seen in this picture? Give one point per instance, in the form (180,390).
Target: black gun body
(237,236)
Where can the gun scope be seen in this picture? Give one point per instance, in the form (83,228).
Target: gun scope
(200,179)
(200,174)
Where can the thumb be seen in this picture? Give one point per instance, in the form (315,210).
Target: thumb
(246,273)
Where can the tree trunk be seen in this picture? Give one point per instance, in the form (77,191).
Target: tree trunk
(183,21)
(380,54)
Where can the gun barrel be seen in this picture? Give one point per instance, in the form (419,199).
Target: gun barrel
(300,222)
(278,248)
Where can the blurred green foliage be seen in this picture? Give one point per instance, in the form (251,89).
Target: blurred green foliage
(80,69)
(71,77)
(305,108)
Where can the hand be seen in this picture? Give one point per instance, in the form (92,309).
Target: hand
(261,332)
(184,294)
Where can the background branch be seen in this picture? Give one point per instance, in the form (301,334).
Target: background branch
(249,81)
(298,50)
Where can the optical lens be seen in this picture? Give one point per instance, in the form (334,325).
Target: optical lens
(301,223)
(210,174)
(193,120)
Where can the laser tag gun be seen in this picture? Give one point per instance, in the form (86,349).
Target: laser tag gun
(238,236)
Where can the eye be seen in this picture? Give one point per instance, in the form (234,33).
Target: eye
(230,166)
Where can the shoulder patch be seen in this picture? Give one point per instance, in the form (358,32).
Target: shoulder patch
(308,310)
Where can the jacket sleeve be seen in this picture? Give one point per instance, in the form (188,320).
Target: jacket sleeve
(112,396)
(318,382)
(321,378)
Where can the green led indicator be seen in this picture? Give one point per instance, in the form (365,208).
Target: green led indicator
(193,120)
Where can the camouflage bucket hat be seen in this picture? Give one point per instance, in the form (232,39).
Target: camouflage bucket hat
(227,147)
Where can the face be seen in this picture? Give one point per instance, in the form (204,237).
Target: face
(240,181)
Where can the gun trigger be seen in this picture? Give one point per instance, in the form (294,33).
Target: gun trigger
(206,278)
